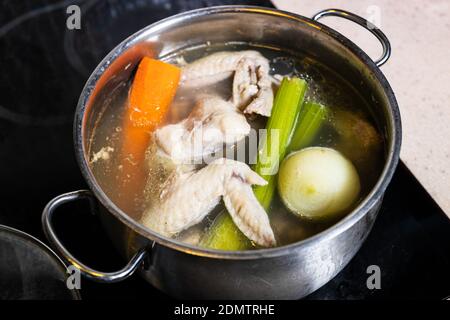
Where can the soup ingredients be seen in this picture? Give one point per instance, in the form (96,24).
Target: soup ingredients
(280,125)
(185,200)
(212,123)
(218,66)
(359,141)
(252,84)
(318,183)
(310,120)
(140,186)
(252,87)
(248,214)
(154,86)
(187,194)
(224,235)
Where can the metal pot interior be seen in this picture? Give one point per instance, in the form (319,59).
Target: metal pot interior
(262,26)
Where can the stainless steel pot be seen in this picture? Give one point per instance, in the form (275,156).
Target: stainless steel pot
(184,271)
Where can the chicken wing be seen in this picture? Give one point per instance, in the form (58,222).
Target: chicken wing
(188,196)
(212,123)
(252,84)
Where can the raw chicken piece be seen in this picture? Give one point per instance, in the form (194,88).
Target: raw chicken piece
(217,67)
(212,123)
(252,84)
(252,88)
(247,213)
(188,196)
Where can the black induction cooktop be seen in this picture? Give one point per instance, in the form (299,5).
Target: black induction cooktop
(43,69)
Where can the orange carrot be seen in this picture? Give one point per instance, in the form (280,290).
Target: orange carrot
(152,92)
(153,89)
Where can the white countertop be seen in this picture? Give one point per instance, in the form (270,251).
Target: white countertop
(418,70)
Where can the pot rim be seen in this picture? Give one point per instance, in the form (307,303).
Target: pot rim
(360,211)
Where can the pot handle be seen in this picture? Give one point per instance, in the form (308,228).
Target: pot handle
(99,276)
(364,23)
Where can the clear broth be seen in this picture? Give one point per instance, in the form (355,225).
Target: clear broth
(324,86)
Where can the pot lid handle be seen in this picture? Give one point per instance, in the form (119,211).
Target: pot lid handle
(47,223)
(365,24)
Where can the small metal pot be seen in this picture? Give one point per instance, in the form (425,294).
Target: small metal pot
(185,271)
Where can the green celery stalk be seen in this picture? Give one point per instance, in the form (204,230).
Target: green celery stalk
(287,107)
(310,121)
(223,233)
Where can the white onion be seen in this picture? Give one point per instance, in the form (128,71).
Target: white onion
(318,183)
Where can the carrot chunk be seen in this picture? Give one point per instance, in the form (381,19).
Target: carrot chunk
(152,91)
